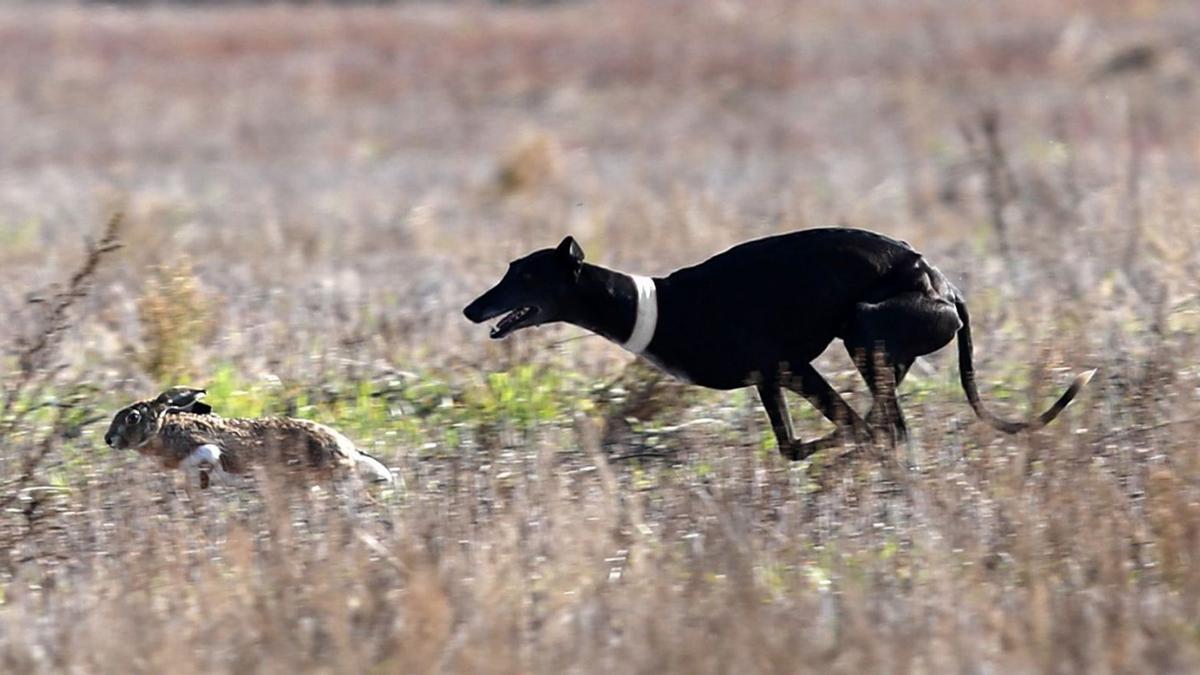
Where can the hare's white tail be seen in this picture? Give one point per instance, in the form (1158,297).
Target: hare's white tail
(372,469)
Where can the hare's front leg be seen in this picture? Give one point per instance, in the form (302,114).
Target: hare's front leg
(205,461)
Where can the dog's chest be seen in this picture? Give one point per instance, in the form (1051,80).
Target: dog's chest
(672,370)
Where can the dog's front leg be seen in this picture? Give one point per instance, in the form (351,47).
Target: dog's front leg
(777,411)
(781,423)
(806,381)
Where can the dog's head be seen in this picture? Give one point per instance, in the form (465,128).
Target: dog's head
(537,289)
(134,425)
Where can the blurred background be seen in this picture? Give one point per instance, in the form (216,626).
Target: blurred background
(311,192)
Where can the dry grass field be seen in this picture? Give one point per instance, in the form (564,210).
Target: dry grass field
(311,194)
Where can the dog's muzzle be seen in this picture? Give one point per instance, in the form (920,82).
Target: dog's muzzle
(478,311)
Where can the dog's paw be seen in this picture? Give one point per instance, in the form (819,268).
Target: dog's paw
(804,449)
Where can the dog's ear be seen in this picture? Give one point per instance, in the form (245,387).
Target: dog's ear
(569,247)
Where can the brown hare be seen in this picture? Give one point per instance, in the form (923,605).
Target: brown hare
(181,431)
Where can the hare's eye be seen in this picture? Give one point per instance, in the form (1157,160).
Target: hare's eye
(133,417)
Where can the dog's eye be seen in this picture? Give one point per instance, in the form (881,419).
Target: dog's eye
(133,417)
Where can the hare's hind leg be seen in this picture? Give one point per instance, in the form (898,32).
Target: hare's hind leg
(372,469)
(362,465)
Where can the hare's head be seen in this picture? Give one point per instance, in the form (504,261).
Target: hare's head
(134,425)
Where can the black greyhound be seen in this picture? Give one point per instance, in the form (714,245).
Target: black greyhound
(758,314)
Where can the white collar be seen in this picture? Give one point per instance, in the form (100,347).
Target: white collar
(647,314)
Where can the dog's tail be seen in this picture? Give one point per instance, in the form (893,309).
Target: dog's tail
(966,369)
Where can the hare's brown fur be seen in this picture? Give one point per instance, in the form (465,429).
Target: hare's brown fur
(244,442)
(169,428)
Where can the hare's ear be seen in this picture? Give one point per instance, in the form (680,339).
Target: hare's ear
(182,399)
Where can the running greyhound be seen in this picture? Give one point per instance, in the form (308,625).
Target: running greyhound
(758,314)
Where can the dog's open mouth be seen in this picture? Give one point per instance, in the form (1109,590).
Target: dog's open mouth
(518,318)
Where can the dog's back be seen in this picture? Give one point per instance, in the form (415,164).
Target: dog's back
(874,251)
(778,299)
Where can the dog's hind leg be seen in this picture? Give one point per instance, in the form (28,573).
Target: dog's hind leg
(883,377)
(883,340)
